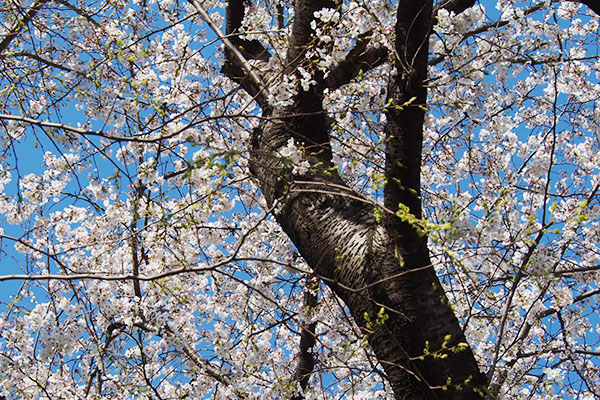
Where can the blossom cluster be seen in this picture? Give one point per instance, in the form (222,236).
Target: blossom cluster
(150,265)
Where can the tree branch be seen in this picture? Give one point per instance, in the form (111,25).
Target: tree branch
(239,51)
(407,97)
(212,371)
(439,328)
(457,6)
(234,15)
(134,277)
(358,59)
(279,8)
(302,32)
(306,359)
(21,24)
(142,138)
(80,12)
(240,59)
(42,60)
(593,5)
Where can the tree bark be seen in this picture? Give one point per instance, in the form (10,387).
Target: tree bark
(380,268)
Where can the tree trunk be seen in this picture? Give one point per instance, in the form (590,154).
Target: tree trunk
(379,267)
(370,267)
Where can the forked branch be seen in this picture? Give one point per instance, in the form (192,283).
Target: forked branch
(21,24)
(234,15)
(234,55)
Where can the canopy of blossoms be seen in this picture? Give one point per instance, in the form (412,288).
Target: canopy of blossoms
(139,259)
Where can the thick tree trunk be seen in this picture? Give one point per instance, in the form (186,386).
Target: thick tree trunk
(420,345)
(380,268)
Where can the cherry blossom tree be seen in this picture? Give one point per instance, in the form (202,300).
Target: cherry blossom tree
(299,200)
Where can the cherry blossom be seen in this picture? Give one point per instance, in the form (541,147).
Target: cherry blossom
(143,255)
